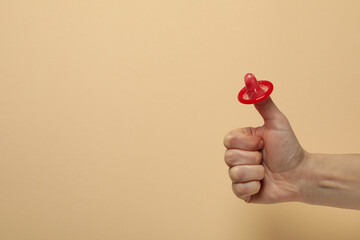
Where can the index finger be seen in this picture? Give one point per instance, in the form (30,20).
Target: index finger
(241,139)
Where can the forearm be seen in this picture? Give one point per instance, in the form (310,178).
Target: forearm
(331,180)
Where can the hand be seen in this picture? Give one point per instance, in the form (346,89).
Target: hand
(266,162)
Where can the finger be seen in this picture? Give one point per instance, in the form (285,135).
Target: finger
(268,110)
(235,157)
(246,173)
(246,190)
(241,139)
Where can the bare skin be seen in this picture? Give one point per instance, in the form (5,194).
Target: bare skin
(268,165)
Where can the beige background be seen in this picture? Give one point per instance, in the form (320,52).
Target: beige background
(112,114)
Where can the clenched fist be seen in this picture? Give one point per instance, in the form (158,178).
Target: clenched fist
(265,163)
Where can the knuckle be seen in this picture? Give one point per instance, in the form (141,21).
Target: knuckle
(239,174)
(236,174)
(231,174)
(230,140)
(229,157)
(240,190)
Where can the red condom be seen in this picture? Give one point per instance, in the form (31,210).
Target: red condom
(254,91)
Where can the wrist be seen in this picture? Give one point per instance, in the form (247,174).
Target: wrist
(329,180)
(309,178)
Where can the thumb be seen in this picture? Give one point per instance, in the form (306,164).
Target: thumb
(268,110)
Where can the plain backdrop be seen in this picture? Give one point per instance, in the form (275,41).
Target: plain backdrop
(113,113)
